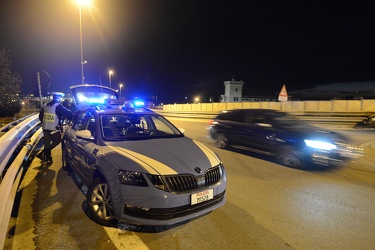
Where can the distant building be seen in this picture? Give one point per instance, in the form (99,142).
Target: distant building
(233,91)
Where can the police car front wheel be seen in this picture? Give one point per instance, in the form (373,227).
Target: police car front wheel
(100,203)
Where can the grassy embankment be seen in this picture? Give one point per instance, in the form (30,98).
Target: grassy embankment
(24,112)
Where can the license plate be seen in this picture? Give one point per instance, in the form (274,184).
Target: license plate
(202,196)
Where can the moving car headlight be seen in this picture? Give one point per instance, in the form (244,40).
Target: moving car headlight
(131,178)
(320,145)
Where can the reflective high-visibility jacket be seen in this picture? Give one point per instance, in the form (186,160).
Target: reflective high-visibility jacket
(50,118)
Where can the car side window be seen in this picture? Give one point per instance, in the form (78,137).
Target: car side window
(248,118)
(92,126)
(233,116)
(83,121)
(79,121)
(259,119)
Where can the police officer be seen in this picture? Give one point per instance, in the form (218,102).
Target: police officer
(50,116)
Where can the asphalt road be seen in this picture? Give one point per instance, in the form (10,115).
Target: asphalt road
(268,207)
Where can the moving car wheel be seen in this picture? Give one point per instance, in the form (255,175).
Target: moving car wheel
(100,203)
(222,141)
(288,157)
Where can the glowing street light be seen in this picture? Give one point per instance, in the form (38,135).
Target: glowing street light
(80,3)
(110,73)
(120,89)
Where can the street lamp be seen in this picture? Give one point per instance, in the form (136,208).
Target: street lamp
(80,3)
(110,73)
(120,89)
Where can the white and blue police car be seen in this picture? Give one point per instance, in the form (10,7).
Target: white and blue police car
(138,167)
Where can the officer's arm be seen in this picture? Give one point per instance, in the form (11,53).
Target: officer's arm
(41,114)
(61,111)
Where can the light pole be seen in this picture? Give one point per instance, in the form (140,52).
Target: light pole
(120,89)
(110,73)
(80,39)
(80,3)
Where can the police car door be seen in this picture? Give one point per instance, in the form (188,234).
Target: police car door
(83,149)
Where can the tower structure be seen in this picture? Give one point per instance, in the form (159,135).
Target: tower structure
(233,91)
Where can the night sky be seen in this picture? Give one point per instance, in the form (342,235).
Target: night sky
(177,48)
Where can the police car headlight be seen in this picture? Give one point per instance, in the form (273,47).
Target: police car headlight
(132,178)
(320,145)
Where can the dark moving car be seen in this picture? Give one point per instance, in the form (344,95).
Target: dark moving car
(292,141)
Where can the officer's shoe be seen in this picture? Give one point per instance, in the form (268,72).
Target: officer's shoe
(41,156)
(47,161)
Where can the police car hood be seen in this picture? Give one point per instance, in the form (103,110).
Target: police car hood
(165,156)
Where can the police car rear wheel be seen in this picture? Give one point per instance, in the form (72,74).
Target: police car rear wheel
(100,203)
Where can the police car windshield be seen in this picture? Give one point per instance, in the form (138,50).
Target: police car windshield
(136,127)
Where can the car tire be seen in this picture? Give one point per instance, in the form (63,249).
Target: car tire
(99,202)
(221,140)
(288,156)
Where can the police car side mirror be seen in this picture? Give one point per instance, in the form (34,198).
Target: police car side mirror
(84,134)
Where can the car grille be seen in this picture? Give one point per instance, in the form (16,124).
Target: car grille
(174,212)
(350,150)
(346,146)
(186,183)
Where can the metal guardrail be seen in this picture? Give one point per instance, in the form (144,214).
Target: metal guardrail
(16,145)
(13,137)
(9,126)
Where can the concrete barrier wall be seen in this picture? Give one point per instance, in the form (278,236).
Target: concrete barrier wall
(368,105)
(290,106)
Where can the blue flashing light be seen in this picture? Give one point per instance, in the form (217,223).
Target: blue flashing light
(139,104)
(83,98)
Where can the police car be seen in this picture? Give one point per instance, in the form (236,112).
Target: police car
(138,167)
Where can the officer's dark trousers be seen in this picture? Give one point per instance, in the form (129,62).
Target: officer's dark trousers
(51,139)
